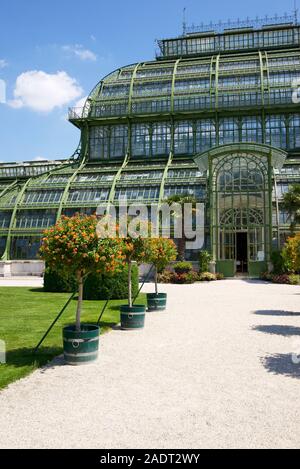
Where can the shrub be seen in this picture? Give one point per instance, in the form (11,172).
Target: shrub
(219,276)
(294,279)
(291,254)
(183,267)
(207,277)
(96,286)
(169,277)
(102,287)
(184,278)
(204,260)
(55,282)
(279,265)
(266,276)
(287,279)
(282,278)
(165,277)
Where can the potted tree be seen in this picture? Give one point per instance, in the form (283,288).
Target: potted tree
(159,252)
(133,316)
(72,247)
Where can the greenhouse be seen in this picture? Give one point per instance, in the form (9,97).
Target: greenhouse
(213,116)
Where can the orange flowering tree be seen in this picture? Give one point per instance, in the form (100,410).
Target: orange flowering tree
(73,247)
(160,252)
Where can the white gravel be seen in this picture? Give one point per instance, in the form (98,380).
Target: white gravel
(213,371)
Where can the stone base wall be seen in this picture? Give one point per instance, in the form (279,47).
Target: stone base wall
(21,268)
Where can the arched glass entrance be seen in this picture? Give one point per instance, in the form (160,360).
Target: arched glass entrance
(239,208)
(241,211)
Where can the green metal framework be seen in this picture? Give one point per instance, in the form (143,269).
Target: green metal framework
(156,128)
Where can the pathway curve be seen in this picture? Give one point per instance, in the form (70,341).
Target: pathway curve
(215,370)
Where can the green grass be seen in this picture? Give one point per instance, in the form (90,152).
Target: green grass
(26,314)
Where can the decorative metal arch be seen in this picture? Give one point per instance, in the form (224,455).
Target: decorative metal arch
(276,155)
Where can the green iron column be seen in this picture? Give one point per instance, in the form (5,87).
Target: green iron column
(277,209)
(129,110)
(72,178)
(111,196)
(173,84)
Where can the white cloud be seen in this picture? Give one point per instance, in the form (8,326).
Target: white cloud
(3,63)
(79,51)
(44,92)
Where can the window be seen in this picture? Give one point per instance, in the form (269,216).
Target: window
(276,131)
(105,177)
(205,135)
(25,247)
(152,88)
(294,131)
(118,141)
(184,174)
(161,139)
(56,179)
(282,188)
(108,141)
(140,193)
(140,140)
(136,176)
(29,219)
(99,143)
(192,85)
(251,129)
(4,219)
(42,197)
(183,138)
(88,195)
(228,131)
(197,191)
(2,245)
(115,90)
(151,106)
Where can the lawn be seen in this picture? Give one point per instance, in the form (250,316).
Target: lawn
(26,314)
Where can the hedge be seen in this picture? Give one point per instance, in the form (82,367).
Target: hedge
(96,287)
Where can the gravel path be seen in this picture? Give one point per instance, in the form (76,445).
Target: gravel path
(21,281)
(215,370)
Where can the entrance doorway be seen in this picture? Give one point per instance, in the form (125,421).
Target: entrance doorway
(241,252)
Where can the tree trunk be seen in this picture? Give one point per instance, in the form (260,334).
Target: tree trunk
(79,301)
(129,285)
(181,248)
(155,280)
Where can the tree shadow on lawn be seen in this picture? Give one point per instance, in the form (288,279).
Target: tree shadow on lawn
(281,364)
(275,312)
(278,330)
(25,357)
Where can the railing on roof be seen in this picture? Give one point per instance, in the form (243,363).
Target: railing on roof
(76,113)
(247,23)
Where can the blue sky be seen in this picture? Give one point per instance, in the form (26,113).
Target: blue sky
(52,53)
